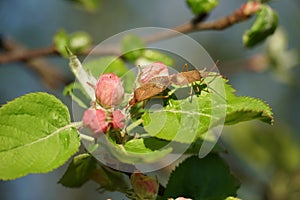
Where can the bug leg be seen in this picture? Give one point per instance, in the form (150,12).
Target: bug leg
(191,93)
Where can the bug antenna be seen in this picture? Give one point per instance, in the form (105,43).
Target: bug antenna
(205,74)
(91,85)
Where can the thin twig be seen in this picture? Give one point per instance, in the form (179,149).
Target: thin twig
(51,76)
(219,24)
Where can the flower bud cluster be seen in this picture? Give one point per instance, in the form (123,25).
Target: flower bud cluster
(100,121)
(109,94)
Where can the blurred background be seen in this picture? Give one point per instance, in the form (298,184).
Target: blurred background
(266,158)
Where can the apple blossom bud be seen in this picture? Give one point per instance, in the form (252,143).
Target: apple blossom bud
(153,70)
(95,120)
(144,186)
(118,119)
(109,90)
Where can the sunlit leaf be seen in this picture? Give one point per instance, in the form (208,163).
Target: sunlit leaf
(89,5)
(133,151)
(201,6)
(264,25)
(61,41)
(132,47)
(183,120)
(35,135)
(79,41)
(157,56)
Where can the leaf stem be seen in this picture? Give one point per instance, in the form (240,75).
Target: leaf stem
(75,125)
(86,137)
(133,125)
(78,125)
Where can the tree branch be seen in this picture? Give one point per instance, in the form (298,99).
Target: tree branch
(51,76)
(189,27)
(219,24)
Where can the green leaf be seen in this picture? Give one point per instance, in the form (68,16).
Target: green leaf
(247,108)
(83,77)
(110,180)
(89,5)
(186,118)
(265,24)
(106,64)
(201,6)
(208,178)
(79,171)
(157,56)
(79,41)
(132,47)
(232,198)
(61,41)
(134,151)
(186,121)
(35,135)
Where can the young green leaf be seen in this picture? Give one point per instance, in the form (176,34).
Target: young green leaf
(157,56)
(206,178)
(247,108)
(35,135)
(201,6)
(89,5)
(232,198)
(265,24)
(61,41)
(134,151)
(132,47)
(79,171)
(186,118)
(185,121)
(79,41)
(110,180)
(84,77)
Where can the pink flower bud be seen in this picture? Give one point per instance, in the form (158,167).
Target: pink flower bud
(118,119)
(144,186)
(250,8)
(153,70)
(95,120)
(109,90)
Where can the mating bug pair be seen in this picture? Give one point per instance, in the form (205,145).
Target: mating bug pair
(158,84)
